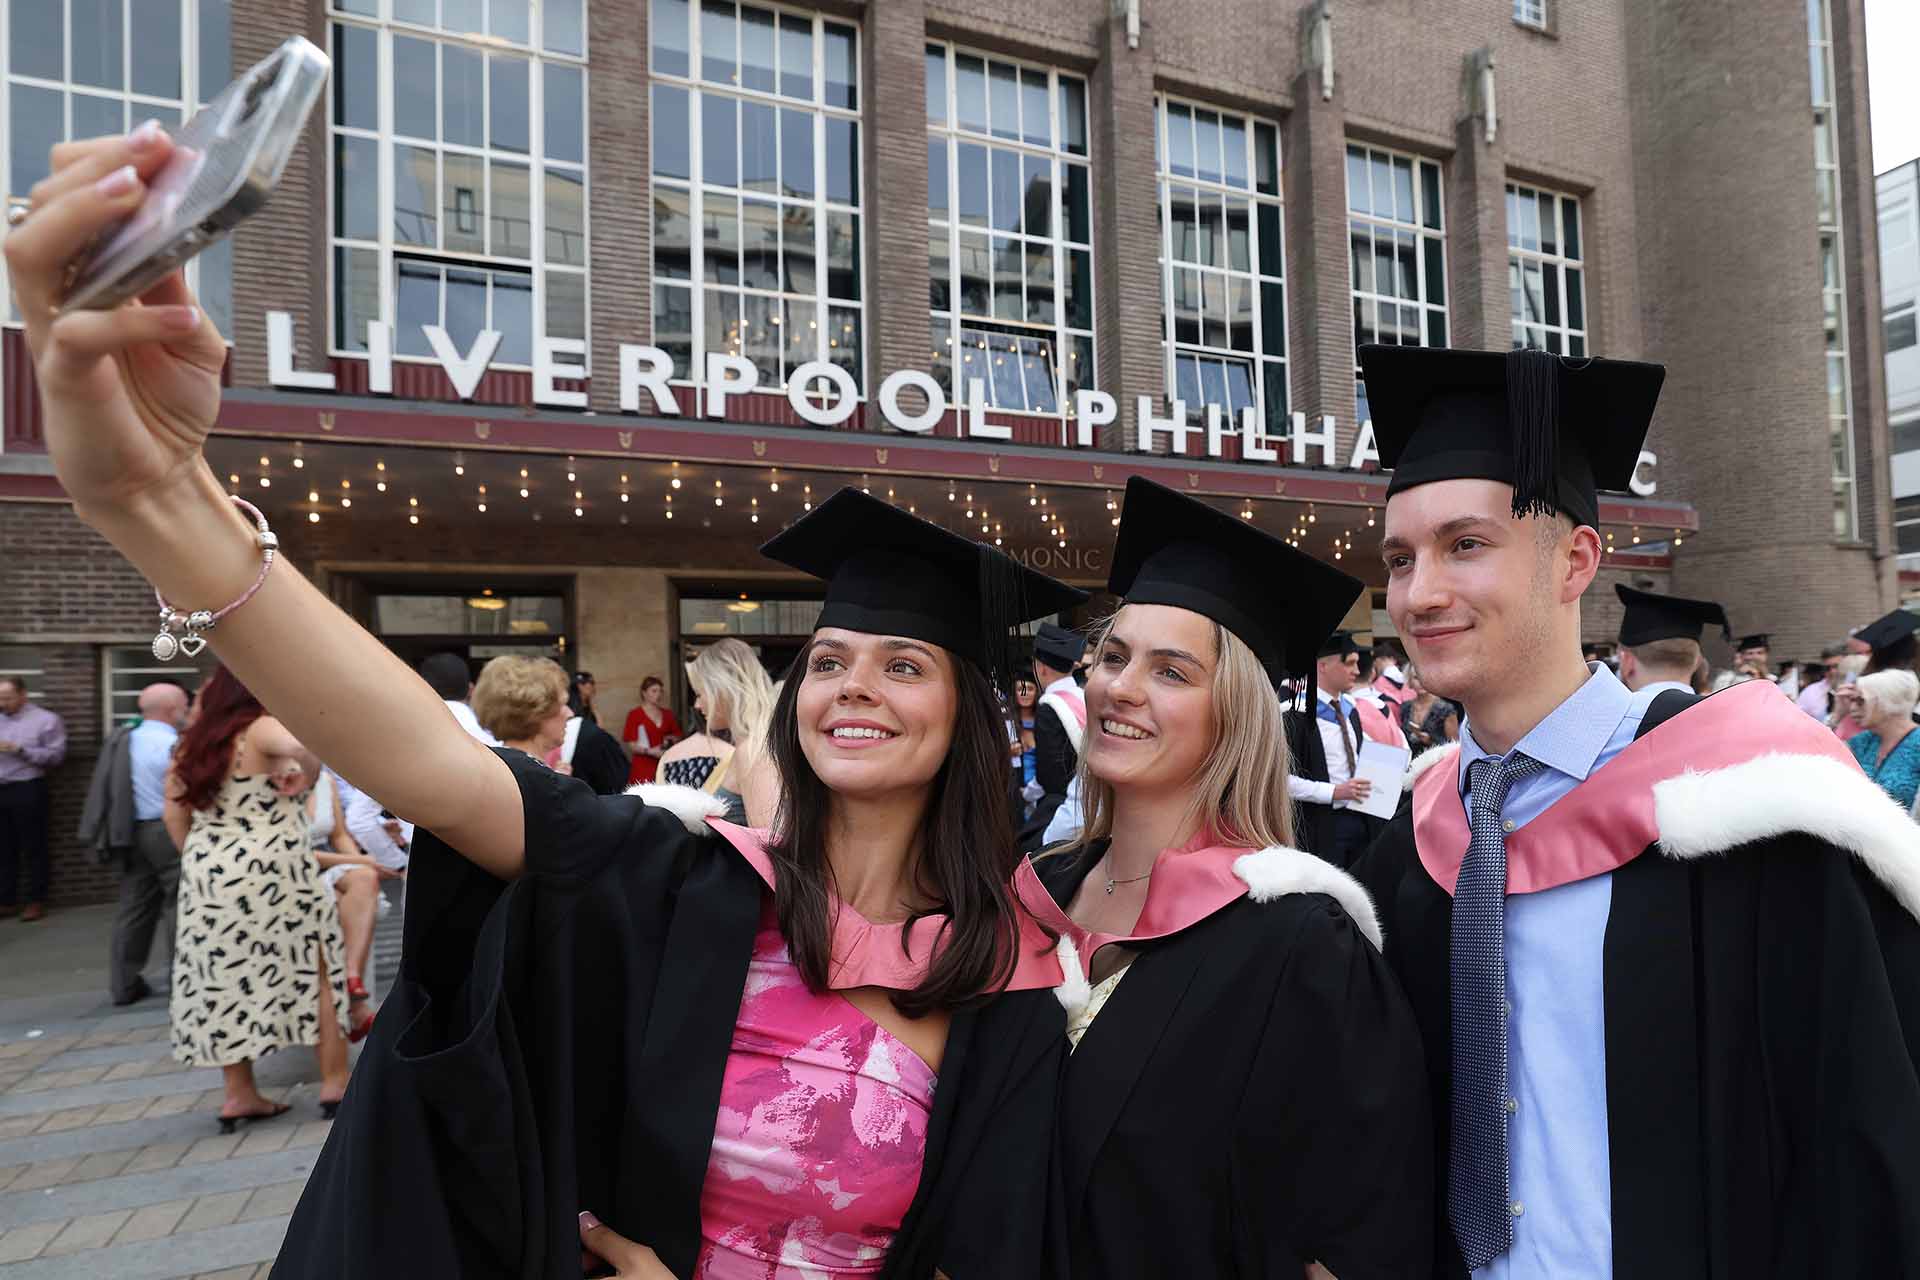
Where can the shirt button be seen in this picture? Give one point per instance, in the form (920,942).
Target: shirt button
(1518,1208)
(1508,824)
(1506,1007)
(1513,1106)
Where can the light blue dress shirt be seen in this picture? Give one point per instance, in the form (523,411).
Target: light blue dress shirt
(1556,1033)
(1067,819)
(149,752)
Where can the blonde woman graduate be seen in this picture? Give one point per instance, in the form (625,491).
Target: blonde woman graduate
(1246,1094)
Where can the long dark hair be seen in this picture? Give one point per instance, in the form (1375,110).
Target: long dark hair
(967,851)
(205,750)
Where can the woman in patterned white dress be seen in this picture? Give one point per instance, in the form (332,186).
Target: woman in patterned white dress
(258,962)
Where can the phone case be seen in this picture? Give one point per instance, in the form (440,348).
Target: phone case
(227,160)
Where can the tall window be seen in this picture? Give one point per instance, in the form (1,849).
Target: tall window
(756,187)
(1531,13)
(1397,252)
(1901,332)
(1222,260)
(459,172)
(78,68)
(1009,230)
(1833,278)
(1545,273)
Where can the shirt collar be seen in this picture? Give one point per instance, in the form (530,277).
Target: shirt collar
(1329,698)
(1572,736)
(156,724)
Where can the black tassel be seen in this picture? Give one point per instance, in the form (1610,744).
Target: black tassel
(1002,607)
(1533,419)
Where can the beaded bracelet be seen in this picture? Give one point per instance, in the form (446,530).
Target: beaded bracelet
(192,625)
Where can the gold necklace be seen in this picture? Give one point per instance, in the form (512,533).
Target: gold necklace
(1135,880)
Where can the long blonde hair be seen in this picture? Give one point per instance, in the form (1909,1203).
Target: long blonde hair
(728,675)
(1240,790)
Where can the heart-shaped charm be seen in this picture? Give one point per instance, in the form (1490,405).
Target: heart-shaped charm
(192,645)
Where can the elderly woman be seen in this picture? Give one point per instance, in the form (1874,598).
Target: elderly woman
(1887,747)
(523,702)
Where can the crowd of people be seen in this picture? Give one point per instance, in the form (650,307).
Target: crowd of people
(1611,978)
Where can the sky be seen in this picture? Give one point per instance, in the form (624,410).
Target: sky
(1893,78)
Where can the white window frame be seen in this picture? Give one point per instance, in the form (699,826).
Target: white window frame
(695,188)
(1423,169)
(1565,269)
(1838,378)
(1531,13)
(1898,311)
(137,660)
(946,328)
(137,108)
(387,251)
(1262,271)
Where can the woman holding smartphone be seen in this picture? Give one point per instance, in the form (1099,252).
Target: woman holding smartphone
(600,1000)
(1246,1095)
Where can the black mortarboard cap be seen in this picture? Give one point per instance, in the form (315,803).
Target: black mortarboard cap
(1058,647)
(1175,550)
(1556,428)
(1338,645)
(1651,617)
(890,573)
(1760,640)
(1883,633)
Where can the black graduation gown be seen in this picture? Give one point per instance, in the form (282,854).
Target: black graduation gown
(1250,1099)
(1054,763)
(1762,1007)
(599,762)
(1307,755)
(557,1044)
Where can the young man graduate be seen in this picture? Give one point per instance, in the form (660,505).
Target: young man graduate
(1661,949)
(1059,724)
(1660,638)
(1323,745)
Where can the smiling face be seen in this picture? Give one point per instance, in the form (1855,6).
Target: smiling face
(875,713)
(1476,593)
(1150,714)
(1025,694)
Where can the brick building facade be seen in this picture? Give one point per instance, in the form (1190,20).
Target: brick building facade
(1627,179)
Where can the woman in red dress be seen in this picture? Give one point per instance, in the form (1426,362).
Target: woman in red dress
(650,730)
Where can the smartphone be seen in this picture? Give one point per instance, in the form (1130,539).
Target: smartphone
(227,160)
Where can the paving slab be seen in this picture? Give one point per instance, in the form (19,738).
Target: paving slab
(184,1254)
(137,1190)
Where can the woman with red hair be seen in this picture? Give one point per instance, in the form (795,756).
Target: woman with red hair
(258,962)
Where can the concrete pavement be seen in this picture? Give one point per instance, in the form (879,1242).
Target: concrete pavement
(112,1166)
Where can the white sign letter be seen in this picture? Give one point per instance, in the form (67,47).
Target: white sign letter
(1146,423)
(1093,409)
(977,424)
(647,367)
(1364,448)
(898,418)
(466,371)
(380,357)
(745,376)
(811,372)
(1648,487)
(547,366)
(1251,450)
(1216,431)
(1302,438)
(280,370)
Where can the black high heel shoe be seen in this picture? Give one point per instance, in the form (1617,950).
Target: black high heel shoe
(229,1123)
(329,1109)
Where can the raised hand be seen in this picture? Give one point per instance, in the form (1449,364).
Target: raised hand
(130,393)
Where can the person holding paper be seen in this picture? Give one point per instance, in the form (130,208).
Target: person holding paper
(1325,745)
(1660,948)
(1246,1094)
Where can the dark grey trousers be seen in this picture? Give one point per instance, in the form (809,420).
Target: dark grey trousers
(149,885)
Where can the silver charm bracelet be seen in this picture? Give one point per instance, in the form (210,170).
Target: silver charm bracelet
(192,627)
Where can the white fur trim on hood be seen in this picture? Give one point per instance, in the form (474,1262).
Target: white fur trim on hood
(689,804)
(1276,870)
(1446,752)
(1074,992)
(1701,814)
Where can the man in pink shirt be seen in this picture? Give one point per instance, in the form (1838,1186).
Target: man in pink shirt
(32,741)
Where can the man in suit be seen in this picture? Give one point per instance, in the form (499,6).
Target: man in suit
(121,820)
(1325,743)
(1059,724)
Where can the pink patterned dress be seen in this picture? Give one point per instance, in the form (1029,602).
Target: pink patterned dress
(822,1128)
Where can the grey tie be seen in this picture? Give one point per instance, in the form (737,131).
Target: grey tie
(1477,1167)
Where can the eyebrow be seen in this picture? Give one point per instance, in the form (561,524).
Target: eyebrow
(1448,529)
(1178,655)
(895,644)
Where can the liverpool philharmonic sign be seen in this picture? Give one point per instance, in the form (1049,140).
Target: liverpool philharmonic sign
(645,368)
